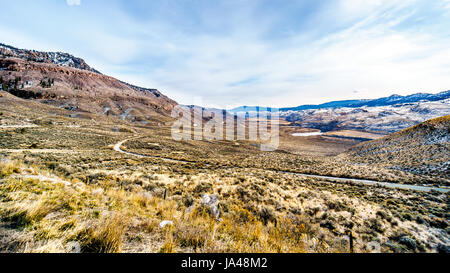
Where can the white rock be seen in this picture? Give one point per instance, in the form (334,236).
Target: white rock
(165,223)
(73,247)
(211,201)
(98,191)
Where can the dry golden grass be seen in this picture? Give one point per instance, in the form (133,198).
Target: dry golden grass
(421,151)
(52,215)
(9,167)
(265,213)
(110,202)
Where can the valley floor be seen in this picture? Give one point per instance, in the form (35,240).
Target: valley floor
(67,185)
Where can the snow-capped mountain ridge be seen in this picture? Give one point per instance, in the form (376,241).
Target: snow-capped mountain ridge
(383,119)
(58,58)
(386,101)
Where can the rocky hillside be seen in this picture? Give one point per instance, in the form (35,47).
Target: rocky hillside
(379,119)
(422,150)
(58,58)
(68,82)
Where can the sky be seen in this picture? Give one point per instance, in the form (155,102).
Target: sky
(247,52)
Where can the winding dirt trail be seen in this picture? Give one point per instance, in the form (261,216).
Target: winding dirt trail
(18,126)
(117,148)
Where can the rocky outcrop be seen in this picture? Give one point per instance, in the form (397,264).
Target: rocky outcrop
(212,203)
(58,58)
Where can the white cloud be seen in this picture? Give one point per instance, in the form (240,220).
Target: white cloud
(73,2)
(388,46)
(446,6)
(371,56)
(377,61)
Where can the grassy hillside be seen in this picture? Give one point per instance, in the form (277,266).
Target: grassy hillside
(82,91)
(423,150)
(62,184)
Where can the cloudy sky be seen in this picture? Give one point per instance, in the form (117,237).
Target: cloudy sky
(229,53)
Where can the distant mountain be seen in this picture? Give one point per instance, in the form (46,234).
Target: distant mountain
(379,119)
(241,109)
(421,150)
(333,104)
(383,115)
(392,100)
(63,80)
(396,99)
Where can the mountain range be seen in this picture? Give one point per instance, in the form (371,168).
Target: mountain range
(68,82)
(385,101)
(380,119)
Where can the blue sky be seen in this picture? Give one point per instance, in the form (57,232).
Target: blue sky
(230,53)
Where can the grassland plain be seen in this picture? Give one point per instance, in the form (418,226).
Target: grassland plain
(62,185)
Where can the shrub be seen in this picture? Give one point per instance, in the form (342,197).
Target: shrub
(242,215)
(9,167)
(105,237)
(191,236)
(202,187)
(376,225)
(169,245)
(33,146)
(438,223)
(188,200)
(266,214)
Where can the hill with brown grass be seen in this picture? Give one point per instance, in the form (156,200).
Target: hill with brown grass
(422,149)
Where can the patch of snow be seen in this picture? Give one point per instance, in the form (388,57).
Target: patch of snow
(307,134)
